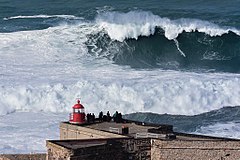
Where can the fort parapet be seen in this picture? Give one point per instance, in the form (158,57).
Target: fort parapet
(136,140)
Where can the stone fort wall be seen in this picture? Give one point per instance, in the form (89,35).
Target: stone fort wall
(118,149)
(195,150)
(78,132)
(151,149)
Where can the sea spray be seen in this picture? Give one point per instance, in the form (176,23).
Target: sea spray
(170,93)
(120,26)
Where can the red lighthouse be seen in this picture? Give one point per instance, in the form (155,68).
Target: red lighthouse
(78,115)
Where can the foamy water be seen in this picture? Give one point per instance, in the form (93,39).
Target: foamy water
(121,26)
(230,129)
(27,132)
(48,69)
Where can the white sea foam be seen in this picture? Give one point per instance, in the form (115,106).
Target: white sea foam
(177,44)
(42,16)
(121,26)
(26,132)
(228,129)
(172,93)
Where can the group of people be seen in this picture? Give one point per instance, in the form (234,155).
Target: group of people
(104,118)
(90,117)
(117,117)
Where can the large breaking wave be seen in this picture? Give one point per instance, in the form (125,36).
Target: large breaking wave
(145,40)
(121,26)
(91,60)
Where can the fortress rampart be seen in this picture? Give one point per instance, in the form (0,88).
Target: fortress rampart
(195,149)
(96,141)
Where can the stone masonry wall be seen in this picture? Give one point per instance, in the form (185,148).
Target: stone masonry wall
(56,152)
(37,156)
(195,150)
(68,131)
(121,149)
(109,151)
(117,149)
(140,149)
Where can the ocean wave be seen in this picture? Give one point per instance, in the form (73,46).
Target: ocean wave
(192,51)
(222,120)
(67,41)
(43,16)
(44,58)
(169,93)
(228,129)
(131,25)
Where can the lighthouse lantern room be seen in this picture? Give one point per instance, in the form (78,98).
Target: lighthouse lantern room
(78,114)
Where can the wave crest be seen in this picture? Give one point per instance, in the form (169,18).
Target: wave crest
(121,26)
(42,16)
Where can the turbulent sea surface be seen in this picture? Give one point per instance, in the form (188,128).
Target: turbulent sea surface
(179,59)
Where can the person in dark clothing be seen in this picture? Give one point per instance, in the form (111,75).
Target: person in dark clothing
(115,116)
(104,118)
(88,118)
(100,116)
(120,117)
(93,117)
(108,116)
(108,113)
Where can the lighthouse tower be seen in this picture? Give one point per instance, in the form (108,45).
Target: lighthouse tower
(78,114)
